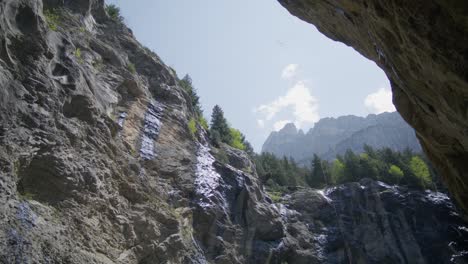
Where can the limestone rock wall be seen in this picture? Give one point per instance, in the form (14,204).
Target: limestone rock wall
(97,164)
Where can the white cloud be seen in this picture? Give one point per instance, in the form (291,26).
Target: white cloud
(289,72)
(261,123)
(380,101)
(299,98)
(277,126)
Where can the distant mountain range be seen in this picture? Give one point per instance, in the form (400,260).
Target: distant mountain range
(332,136)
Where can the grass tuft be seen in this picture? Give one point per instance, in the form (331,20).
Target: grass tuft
(131,67)
(52,18)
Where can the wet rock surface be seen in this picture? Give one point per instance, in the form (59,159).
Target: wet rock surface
(87,169)
(96,161)
(233,219)
(371,222)
(421,47)
(97,164)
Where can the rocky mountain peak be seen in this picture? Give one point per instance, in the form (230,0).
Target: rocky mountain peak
(288,129)
(332,136)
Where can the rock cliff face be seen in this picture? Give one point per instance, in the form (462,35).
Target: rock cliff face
(421,47)
(333,136)
(97,164)
(365,222)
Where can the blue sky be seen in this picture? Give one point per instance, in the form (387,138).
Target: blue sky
(263,66)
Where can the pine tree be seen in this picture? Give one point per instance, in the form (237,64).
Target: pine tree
(317,176)
(352,170)
(370,151)
(248,147)
(187,85)
(286,164)
(220,126)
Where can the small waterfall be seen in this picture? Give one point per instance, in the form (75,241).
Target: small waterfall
(207,178)
(210,185)
(151,129)
(324,194)
(209,195)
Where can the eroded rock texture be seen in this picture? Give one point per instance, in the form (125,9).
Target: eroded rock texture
(365,222)
(421,45)
(97,164)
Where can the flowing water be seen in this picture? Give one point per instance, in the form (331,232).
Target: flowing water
(208,180)
(151,129)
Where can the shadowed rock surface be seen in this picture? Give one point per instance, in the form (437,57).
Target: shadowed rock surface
(371,222)
(421,46)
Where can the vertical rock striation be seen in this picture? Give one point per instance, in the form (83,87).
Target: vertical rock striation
(97,164)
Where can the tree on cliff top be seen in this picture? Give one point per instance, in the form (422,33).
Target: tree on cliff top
(187,85)
(219,126)
(114,12)
(248,147)
(221,132)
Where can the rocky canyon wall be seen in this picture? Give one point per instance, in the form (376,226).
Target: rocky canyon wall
(98,165)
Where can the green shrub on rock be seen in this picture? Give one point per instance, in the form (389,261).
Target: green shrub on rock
(275,196)
(131,67)
(203,123)
(421,171)
(78,55)
(192,125)
(52,18)
(396,173)
(236,139)
(114,12)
